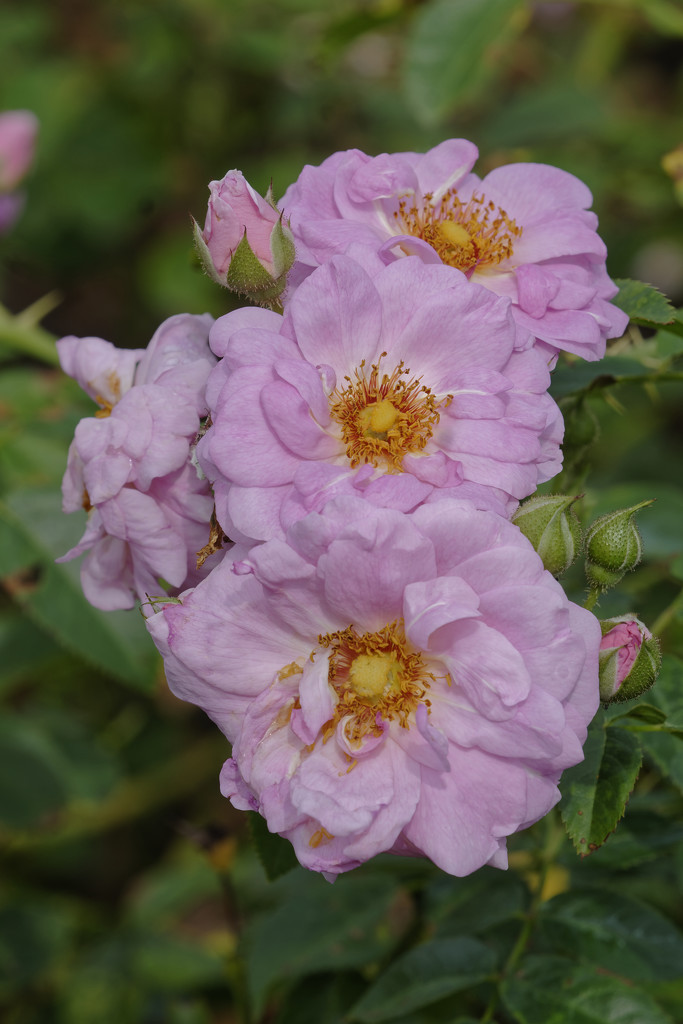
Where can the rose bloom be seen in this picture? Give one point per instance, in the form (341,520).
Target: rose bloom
(129,465)
(523,231)
(403,382)
(405,683)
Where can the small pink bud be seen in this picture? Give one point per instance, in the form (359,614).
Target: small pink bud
(18,130)
(245,246)
(629,658)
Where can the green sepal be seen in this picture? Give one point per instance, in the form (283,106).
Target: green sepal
(283,249)
(246,273)
(205,256)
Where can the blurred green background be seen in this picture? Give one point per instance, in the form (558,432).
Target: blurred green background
(130,891)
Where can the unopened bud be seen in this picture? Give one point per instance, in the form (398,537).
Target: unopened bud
(613,547)
(551,525)
(629,659)
(245,245)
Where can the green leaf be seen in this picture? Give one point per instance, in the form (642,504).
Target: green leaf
(275,853)
(170,964)
(476,903)
(455,49)
(321,999)
(319,927)
(424,975)
(35,932)
(643,304)
(595,792)
(31,786)
(168,892)
(667,694)
(551,990)
(568,379)
(614,932)
(644,713)
(31,524)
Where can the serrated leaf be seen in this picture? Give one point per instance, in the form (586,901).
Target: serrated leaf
(595,792)
(552,990)
(51,595)
(424,975)
(644,304)
(612,931)
(454,50)
(275,853)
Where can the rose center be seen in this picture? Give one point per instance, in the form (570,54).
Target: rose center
(377,677)
(467,235)
(383,417)
(374,675)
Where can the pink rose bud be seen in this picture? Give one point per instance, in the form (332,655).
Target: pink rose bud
(245,246)
(629,659)
(18,129)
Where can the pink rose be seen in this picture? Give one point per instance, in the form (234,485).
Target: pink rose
(413,684)
(524,231)
(244,245)
(130,465)
(18,129)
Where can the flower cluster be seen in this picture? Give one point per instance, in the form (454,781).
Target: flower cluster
(382,645)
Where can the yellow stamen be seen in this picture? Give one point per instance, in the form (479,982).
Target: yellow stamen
(320,837)
(468,236)
(383,417)
(375,676)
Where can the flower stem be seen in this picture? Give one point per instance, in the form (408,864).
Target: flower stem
(592,599)
(554,837)
(22,335)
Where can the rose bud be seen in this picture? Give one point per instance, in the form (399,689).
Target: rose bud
(245,246)
(613,547)
(629,658)
(548,521)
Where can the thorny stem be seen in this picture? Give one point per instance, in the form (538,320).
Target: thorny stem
(22,335)
(554,837)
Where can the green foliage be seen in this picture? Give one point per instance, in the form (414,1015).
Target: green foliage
(551,990)
(424,975)
(441,72)
(595,791)
(644,304)
(275,853)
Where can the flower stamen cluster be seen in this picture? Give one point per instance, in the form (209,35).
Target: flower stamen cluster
(377,677)
(384,418)
(465,235)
